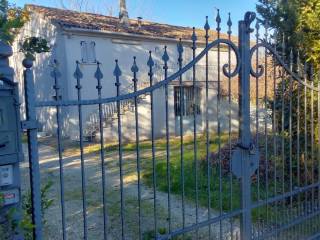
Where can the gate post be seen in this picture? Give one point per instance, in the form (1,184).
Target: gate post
(244,123)
(10,149)
(31,126)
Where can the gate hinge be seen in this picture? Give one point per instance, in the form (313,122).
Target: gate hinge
(29,125)
(251,148)
(251,159)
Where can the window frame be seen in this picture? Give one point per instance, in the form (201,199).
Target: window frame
(88,52)
(188,101)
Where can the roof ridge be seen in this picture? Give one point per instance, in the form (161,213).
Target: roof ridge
(85,20)
(67,10)
(107,16)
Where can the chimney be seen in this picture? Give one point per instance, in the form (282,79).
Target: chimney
(139,23)
(123,15)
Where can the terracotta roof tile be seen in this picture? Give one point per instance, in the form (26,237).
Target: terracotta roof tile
(68,18)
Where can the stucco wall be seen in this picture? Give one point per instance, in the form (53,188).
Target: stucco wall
(66,49)
(107,50)
(42,68)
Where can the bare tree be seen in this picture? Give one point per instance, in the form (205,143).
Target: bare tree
(78,5)
(142,8)
(102,6)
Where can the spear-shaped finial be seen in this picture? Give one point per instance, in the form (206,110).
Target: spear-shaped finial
(218,20)
(291,55)
(194,38)
(311,72)
(98,75)
(134,67)
(150,62)
(55,74)
(298,63)
(180,51)
(117,73)
(283,46)
(229,23)
(257,27)
(134,70)
(206,25)
(78,75)
(165,56)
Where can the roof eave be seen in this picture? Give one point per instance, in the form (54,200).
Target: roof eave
(125,36)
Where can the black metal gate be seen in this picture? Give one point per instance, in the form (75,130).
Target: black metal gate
(250,175)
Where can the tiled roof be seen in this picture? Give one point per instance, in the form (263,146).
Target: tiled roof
(74,19)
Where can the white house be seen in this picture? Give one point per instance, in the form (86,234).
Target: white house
(89,38)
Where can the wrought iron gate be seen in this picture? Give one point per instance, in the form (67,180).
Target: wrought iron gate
(271,160)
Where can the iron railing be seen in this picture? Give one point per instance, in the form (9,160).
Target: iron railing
(274,169)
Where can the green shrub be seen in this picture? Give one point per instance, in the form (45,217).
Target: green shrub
(11,226)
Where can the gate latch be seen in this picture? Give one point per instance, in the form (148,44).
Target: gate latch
(252,156)
(29,125)
(251,148)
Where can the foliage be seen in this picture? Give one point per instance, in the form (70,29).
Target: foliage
(25,225)
(298,21)
(12,20)
(149,235)
(189,172)
(33,45)
(309,26)
(297,24)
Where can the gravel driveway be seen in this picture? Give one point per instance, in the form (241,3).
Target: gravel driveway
(73,199)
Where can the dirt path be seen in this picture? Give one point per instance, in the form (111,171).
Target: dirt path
(73,199)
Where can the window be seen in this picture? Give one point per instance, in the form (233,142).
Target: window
(88,52)
(190,102)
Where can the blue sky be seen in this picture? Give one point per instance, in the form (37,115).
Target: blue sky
(177,12)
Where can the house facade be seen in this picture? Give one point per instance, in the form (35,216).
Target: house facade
(91,38)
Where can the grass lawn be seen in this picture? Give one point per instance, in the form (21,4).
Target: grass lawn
(224,188)
(190,165)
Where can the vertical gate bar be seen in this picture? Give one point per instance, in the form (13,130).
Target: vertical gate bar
(117,73)
(266,163)
(195,112)
(218,29)
(154,173)
(244,117)
(135,70)
(298,138)
(305,132)
(165,59)
(229,23)
(209,165)
(290,126)
(257,26)
(298,130)
(30,100)
(181,98)
(283,119)
(257,113)
(99,76)
(55,74)
(78,75)
(274,125)
(318,137)
(312,136)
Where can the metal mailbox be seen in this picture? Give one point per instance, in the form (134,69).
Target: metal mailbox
(8,129)
(10,149)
